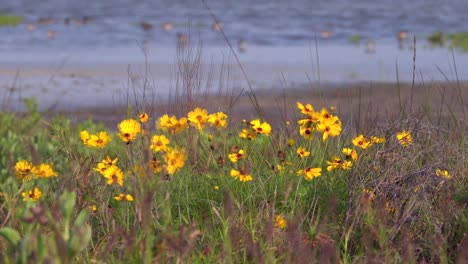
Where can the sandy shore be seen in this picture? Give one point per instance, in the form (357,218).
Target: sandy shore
(363,103)
(100,82)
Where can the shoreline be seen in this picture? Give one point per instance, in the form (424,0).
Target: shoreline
(371,101)
(104,79)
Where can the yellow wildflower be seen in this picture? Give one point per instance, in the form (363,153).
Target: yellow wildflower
(124,197)
(33,195)
(291,142)
(325,116)
(129,129)
(338,163)
(277,168)
(405,138)
(302,152)
(443,173)
(216,187)
(361,141)
(260,128)
(330,127)
(306,132)
(160,143)
(23,169)
(172,124)
(165,122)
(44,171)
(306,110)
(92,208)
(310,173)
(114,174)
(175,160)
(198,118)
(84,135)
(350,154)
(218,120)
(241,176)
(105,164)
(377,140)
(144,117)
(99,140)
(280,222)
(234,157)
(250,135)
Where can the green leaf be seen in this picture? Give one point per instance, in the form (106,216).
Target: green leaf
(82,218)
(79,240)
(67,202)
(11,235)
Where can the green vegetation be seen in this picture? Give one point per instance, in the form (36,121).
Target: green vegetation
(189,189)
(460,40)
(355,39)
(436,39)
(10,20)
(457,40)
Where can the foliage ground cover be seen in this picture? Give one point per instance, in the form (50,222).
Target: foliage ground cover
(197,187)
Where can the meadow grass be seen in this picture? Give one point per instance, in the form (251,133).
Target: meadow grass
(400,199)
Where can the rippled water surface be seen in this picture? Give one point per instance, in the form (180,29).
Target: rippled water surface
(260,22)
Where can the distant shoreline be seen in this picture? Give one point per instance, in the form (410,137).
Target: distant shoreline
(98,81)
(379,101)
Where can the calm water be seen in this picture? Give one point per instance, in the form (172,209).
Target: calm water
(260,22)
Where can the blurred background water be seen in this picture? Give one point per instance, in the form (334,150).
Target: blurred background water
(87,24)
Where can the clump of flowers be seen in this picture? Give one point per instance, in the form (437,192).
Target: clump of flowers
(124,197)
(280,222)
(44,170)
(330,125)
(404,138)
(338,163)
(129,130)
(218,120)
(248,134)
(241,175)
(26,171)
(98,140)
(310,173)
(443,173)
(110,171)
(255,127)
(32,195)
(377,140)
(172,124)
